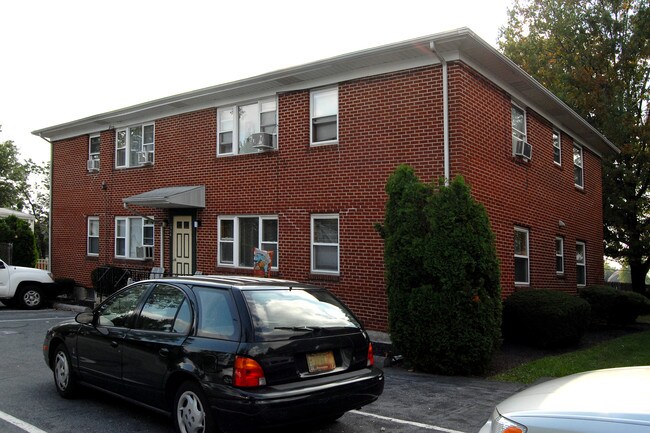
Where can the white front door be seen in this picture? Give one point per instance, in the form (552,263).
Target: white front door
(182,245)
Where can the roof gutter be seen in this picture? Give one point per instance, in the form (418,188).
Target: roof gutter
(445,109)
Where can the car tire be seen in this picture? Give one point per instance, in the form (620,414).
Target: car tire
(30,297)
(64,378)
(191,411)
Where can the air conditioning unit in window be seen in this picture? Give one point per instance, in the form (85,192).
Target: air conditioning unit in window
(92,165)
(523,149)
(262,141)
(144,252)
(145,158)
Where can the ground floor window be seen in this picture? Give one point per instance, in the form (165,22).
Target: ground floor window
(559,255)
(522,257)
(240,235)
(581,264)
(134,237)
(92,246)
(325,244)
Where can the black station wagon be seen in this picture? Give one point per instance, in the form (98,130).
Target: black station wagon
(229,353)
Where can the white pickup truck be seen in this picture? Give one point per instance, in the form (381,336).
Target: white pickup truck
(25,287)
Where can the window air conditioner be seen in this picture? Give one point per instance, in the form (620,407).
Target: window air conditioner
(92,164)
(262,141)
(144,252)
(146,157)
(523,149)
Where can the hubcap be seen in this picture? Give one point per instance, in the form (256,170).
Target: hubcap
(32,298)
(190,414)
(61,371)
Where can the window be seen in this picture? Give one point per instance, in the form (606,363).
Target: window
(134,237)
(518,126)
(93,236)
(522,265)
(93,152)
(166,310)
(236,133)
(119,309)
(324,116)
(134,146)
(240,235)
(557,147)
(325,244)
(217,314)
(581,264)
(559,255)
(578,166)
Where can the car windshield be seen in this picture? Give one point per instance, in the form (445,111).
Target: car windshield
(297,313)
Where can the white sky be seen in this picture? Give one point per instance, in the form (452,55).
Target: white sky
(62,60)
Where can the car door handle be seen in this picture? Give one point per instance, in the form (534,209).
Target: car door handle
(114,343)
(163,352)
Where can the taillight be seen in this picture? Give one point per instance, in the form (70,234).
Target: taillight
(247,373)
(371,357)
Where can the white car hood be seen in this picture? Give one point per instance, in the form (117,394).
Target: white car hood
(621,393)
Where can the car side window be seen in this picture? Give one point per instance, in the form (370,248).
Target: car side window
(217,315)
(117,310)
(166,310)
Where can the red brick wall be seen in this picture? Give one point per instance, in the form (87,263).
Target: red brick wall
(384,121)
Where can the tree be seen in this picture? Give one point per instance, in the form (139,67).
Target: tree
(35,192)
(19,233)
(13,175)
(595,56)
(442,275)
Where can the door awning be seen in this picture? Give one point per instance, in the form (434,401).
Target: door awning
(170,198)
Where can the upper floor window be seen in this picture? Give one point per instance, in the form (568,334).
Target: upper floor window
(578,171)
(557,147)
(240,235)
(134,237)
(254,128)
(325,244)
(581,264)
(519,145)
(134,146)
(522,258)
(93,236)
(559,255)
(93,152)
(324,116)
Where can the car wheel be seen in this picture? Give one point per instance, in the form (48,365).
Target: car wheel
(30,297)
(191,410)
(64,379)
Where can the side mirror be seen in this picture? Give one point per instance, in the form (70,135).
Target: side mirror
(85,318)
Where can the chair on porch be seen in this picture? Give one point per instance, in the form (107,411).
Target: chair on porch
(157,272)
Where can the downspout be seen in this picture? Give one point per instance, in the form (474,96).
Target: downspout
(445,109)
(49,224)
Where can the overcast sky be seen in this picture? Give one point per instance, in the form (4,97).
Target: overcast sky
(63,60)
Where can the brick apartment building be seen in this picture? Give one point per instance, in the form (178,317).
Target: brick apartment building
(296,161)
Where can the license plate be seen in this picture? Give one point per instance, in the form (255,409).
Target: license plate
(320,362)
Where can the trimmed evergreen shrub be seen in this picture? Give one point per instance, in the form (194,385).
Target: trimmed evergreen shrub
(545,318)
(65,285)
(442,276)
(614,307)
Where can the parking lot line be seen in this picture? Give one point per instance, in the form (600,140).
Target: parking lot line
(401,421)
(20,423)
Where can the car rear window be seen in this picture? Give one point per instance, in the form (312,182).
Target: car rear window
(297,313)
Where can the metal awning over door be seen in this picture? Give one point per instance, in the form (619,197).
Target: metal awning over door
(175,197)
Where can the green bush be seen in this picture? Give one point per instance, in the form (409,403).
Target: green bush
(614,307)
(442,276)
(65,285)
(545,318)
(19,233)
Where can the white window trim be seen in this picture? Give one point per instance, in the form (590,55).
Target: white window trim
(235,241)
(311,116)
(582,166)
(88,237)
(235,125)
(512,129)
(559,146)
(583,264)
(128,144)
(127,246)
(314,244)
(527,257)
(560,255)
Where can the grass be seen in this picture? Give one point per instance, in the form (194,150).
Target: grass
(632,349)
